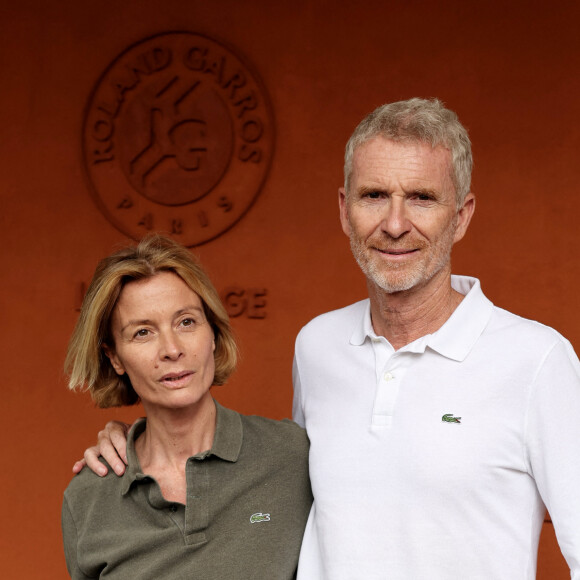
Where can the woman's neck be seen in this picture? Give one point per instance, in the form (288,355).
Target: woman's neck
(172,436)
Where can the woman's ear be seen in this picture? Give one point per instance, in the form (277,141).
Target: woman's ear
(115,361)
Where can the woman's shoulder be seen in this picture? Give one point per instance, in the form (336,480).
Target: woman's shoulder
(282,439)
(261,428)
(284,428)
(87,485)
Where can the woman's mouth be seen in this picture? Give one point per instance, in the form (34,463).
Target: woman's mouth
(176,379)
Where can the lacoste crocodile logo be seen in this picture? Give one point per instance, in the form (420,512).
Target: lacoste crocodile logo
(259,517)
(449,418)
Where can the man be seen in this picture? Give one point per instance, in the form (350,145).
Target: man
(440,425)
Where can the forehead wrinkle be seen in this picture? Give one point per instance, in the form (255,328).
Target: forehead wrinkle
(364,189)
(401,169)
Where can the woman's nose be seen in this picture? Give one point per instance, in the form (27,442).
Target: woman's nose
(170,347)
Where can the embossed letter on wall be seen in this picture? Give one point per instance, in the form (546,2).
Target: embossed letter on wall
(178,137)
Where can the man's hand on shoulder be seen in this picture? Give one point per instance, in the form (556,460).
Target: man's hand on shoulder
(112,445)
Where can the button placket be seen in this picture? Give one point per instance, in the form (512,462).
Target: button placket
(386,362)
(197,509)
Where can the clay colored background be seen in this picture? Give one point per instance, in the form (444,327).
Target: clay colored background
(509,69)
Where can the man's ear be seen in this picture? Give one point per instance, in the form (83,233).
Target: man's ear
(464,216)
(115,361)
(343,207)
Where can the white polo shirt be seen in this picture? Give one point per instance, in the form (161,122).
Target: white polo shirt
(435,461)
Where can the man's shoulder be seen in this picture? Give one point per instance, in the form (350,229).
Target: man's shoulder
(530,330)
(524,339)
(335,321)
(505,327)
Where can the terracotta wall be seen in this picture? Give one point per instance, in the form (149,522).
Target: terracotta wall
(510,70)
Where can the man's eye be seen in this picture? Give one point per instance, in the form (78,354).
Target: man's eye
(373,194)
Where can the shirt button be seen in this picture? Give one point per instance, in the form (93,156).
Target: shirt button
(388,377)
(173,509)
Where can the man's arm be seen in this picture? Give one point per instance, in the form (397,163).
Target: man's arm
(112,445)
(297,413)
(553,434)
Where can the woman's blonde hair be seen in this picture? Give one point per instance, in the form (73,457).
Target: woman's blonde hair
(86,363)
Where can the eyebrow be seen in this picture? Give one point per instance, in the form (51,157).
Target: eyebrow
(415,190)
(146,321)
(369,189)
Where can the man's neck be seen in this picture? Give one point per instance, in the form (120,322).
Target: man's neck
(403,317)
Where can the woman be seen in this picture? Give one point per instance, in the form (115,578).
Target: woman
(207,492)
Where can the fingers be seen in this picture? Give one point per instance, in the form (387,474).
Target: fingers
(117,433)
(112,445)
(78,466)
(92,461)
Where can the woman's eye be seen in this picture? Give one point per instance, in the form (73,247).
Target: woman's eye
(142,332)
(187,322)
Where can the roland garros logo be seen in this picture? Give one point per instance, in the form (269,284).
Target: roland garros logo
(178,137)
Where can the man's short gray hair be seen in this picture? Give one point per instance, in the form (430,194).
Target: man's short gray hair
(417,120)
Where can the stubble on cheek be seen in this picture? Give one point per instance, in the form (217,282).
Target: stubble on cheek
(398,276)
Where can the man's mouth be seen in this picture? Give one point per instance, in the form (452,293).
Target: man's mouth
(397,252)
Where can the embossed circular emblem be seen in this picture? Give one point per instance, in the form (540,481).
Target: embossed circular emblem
(178,137)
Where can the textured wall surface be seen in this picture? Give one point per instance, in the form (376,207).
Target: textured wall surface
(510,70)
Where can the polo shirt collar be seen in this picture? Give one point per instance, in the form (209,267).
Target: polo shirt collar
(227,444)
(456,337)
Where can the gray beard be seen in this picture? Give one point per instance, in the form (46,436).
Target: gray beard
(387,279)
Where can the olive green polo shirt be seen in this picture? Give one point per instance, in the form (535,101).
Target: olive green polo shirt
(248,499)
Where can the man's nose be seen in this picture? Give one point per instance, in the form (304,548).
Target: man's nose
(396,220)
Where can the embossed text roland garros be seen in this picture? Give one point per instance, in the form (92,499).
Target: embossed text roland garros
(178,137)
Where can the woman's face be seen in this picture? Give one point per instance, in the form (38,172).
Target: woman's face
(163,341)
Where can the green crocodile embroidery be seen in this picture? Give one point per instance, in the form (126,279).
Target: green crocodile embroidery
(259,517)
(449,418)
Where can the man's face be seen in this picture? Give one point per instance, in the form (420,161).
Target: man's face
(401,214)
